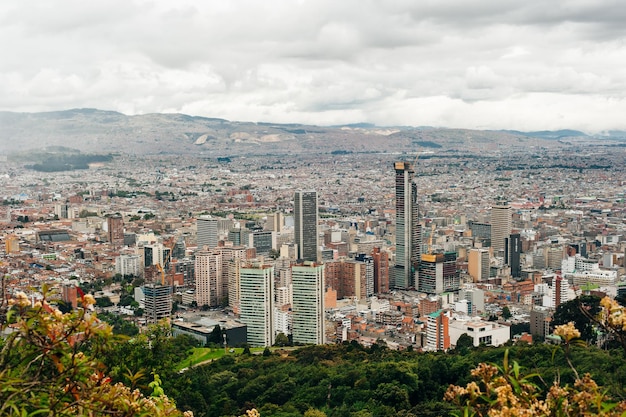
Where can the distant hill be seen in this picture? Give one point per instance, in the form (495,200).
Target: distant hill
(549,134)
(99,131)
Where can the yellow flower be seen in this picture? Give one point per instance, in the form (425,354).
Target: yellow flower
(567,331)
(89,300)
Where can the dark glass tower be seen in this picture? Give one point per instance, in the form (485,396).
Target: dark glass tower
(305,223)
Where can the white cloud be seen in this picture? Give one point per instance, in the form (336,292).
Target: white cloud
(505,64)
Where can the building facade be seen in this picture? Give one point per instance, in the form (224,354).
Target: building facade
(305,224)
(501,223)
(308,303)
(408,230)
(256,303)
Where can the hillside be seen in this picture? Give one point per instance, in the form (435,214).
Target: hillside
(90,130)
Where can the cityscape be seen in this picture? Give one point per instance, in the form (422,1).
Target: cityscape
(410,249)
(312,208)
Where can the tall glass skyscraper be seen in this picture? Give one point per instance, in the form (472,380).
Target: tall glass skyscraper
(408,229)
(305,224)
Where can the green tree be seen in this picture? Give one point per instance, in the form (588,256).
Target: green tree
(281,340)
(216,337)
(464,343)
(579,311)
(506,313)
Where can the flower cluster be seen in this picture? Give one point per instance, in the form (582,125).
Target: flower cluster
(612,314)
(567,332)
(504,392)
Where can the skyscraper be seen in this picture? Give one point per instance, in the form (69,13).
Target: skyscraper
(513,250)
(308,303)
(305,224)
(500,226)
(408,230)
(207,232)
(257,303)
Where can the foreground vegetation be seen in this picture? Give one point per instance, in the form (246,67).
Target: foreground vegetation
(62,364)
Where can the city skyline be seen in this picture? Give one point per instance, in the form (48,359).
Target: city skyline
(478,66)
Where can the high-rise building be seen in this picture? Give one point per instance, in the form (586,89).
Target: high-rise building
(128,265)
(501,223)
(305,224)
(381,271)
(207,234)
(155,254)
(349,277)
(257,303)
(308,303)
(438,273)
(240,236)
(157,302)
(560,290)
(437,331)
(115,230)
(408,230)
(208,270)
(368,260)
(512,254)
(478,264)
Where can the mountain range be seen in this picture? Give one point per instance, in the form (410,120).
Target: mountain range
(99,131)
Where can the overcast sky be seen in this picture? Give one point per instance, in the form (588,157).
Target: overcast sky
(486,64)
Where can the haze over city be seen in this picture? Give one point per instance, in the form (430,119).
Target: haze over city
(478,65)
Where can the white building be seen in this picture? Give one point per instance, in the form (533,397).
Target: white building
(128,265)
(256,301)
(488,332)
(282,321)
(308,303)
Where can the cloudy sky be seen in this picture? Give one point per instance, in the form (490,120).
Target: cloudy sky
(486,64)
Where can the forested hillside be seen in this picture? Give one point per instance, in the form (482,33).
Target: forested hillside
(349,380)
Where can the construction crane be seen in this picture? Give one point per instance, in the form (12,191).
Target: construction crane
(162,271)
(165,262)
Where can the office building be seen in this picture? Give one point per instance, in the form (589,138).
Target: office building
(305,224)
(438,273)
(157,302)
(239,236)
(512,254)
(257,303)
(308,303)
(263,242)
(478,264)
(501,222)
(115,230)
(207,234)
(408,231)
